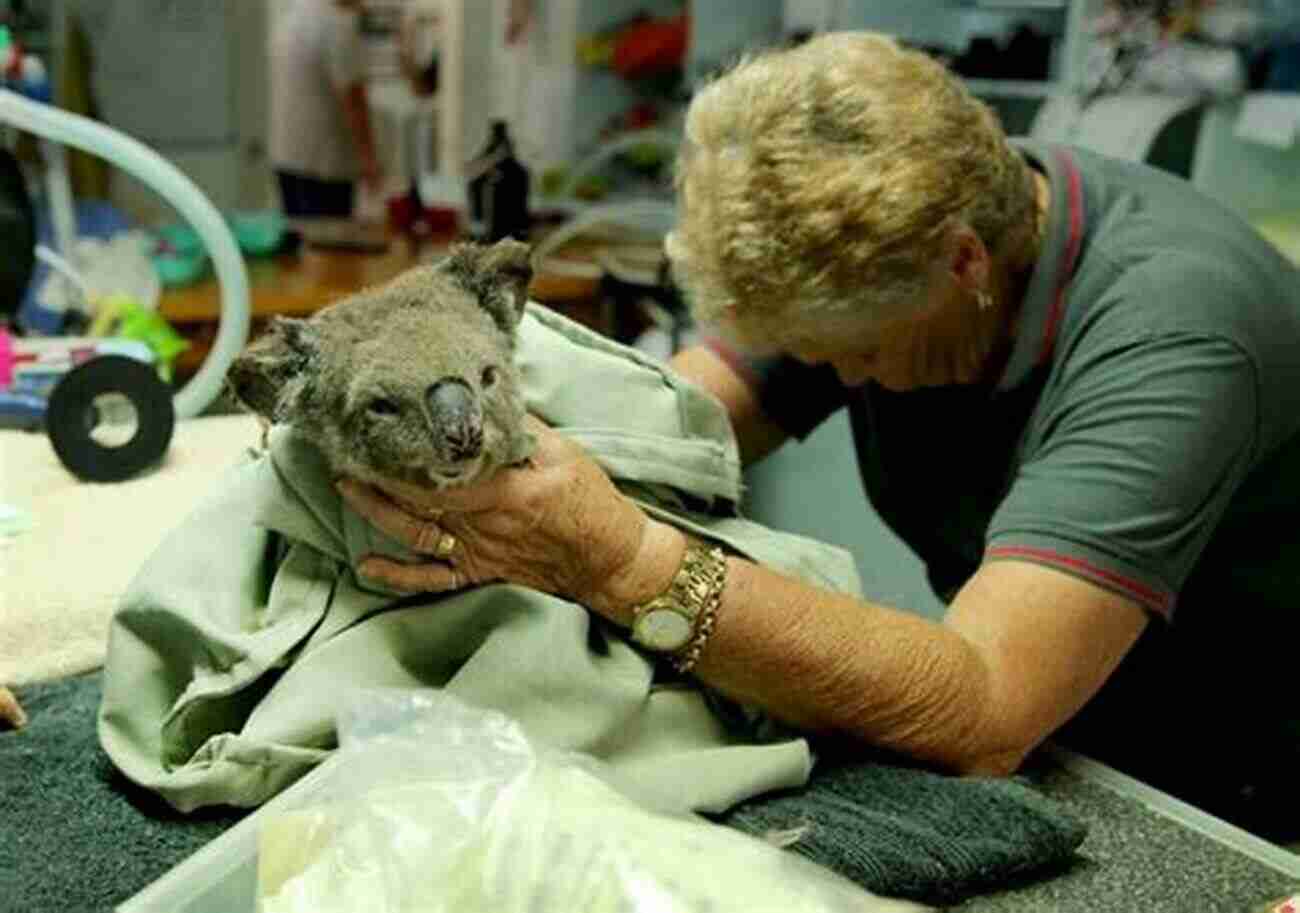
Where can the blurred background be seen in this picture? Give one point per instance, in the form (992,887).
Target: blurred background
(346,140)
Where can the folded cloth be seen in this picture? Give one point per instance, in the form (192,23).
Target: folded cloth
(905,832)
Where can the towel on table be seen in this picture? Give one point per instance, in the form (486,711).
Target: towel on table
(64,577)
(906,832)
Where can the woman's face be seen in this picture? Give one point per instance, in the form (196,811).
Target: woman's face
(948,340)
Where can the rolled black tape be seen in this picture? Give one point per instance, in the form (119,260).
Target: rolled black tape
(71,416)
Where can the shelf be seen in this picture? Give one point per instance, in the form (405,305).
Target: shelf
(1017,5)
(1015,88)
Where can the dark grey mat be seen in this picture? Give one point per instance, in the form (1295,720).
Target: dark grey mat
(1135,859)
(904,832)
(75,836)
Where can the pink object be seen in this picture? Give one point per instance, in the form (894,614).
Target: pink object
(6,359)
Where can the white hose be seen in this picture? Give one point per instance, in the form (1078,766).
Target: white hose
(64,269)
(630,140)
(653,217)
(143,163)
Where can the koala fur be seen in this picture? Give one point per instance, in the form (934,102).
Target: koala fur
(412,380)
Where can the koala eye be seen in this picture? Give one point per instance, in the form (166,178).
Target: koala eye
(489,377)
(382,406)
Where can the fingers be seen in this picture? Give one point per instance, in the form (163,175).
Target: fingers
(480,496)
(11,711)
(411,578)
(422,536)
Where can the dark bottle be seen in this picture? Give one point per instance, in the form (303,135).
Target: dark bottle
(498,190)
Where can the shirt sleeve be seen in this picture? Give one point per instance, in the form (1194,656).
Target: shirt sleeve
(344,51)
(1130,474)
(795,396)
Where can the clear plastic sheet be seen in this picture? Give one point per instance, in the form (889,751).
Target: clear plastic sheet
(436,806)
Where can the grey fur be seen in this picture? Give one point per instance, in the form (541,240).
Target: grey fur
(357,377)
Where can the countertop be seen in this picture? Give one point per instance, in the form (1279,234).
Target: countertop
(1145,853)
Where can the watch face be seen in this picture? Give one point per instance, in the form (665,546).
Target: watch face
(664,629)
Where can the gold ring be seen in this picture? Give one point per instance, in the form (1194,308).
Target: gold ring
(445,547)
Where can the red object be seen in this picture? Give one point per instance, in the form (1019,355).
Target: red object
(641,116)
(14,66)
(7,359)
(407,216)
(401,212)
(651,48)
(441,219)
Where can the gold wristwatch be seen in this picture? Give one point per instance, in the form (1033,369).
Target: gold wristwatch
(679,621)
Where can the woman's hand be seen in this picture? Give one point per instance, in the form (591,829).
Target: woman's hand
(556,525)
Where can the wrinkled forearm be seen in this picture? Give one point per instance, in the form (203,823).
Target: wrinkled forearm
(830,664)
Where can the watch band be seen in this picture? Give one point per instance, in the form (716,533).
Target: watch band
(694,595)
(707,618)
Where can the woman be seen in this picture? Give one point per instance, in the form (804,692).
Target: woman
(1073,392)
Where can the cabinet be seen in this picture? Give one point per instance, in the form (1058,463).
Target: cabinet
(951,25)
(557,107)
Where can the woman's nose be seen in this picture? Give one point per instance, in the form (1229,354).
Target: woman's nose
(856,370)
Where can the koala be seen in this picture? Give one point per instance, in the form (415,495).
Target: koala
(413,380)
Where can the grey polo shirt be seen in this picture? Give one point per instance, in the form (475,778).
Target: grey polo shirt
(1152,391)
(1144,436)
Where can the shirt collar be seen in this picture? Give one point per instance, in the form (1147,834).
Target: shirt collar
(1043,307)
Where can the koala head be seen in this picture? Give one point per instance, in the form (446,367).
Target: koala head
(413,380)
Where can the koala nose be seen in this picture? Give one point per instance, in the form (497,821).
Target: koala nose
(456,417)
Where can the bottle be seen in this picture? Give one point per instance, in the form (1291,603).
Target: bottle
(498,190)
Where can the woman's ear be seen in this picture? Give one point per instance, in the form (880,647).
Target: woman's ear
(969,261)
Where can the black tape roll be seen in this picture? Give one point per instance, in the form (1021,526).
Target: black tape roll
(71,416)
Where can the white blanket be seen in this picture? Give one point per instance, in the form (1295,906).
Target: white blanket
(61,580)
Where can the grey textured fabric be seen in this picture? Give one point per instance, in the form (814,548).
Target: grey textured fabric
(906,832)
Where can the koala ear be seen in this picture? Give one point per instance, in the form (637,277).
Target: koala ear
(497,275)
(262,374)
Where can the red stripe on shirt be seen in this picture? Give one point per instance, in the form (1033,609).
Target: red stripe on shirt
(1139,591)
(1074,191)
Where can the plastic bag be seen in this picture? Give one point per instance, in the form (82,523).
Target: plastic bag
(119,265)
(437,806)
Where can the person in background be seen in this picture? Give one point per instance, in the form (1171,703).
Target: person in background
(320,137)
(419,32)
(418,35)
(1074,393)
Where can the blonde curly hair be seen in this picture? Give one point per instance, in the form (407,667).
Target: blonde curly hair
(823,182)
